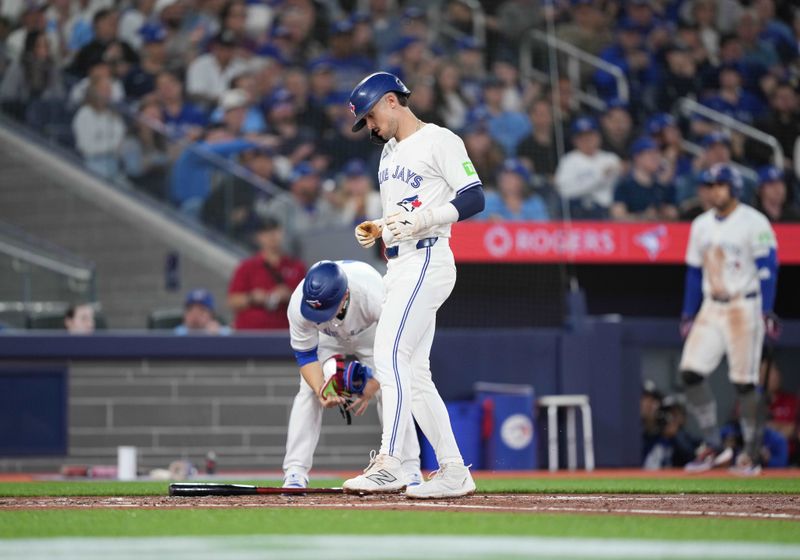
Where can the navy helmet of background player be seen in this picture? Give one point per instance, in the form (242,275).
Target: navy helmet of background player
(731,267)
(324,289)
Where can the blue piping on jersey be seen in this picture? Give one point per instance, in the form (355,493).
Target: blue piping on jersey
(469,201)
(768,275)
(474,184)
(304,357)
(397,345)
(693,291)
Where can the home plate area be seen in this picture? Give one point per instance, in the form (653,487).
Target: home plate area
(752,506)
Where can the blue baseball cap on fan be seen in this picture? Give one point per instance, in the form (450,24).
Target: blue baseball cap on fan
(584,124)
(659,122)
(513,165)
(769,174)
(200,296)
(642,145)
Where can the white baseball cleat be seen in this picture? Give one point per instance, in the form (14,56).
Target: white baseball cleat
(450,481)
(295,480)
(745,466)
(383,475)
(708,458)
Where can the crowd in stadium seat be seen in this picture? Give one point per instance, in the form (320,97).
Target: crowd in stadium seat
(162,91)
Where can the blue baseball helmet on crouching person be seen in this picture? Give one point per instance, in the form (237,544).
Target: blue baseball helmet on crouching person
(323,289)
(725,174)
(369,91)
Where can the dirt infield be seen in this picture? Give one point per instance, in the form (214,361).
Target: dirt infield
(752,506)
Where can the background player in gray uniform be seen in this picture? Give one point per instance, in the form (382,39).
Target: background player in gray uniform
(333,312)
(427,183)
(731,276)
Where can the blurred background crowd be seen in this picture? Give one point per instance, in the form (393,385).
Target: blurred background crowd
(161,94)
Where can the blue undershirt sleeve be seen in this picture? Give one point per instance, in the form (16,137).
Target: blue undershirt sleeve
(693,291)
(306,356)
(768,275)
(469,202)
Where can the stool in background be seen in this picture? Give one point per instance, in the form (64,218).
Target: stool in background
(570,402)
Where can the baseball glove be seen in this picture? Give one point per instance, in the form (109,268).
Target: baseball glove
(367,233)
(335,386)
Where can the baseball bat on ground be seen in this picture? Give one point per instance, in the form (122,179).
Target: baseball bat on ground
(217,489)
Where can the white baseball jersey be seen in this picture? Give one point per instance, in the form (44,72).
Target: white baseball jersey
(595,176)
(425,170)
(366,297)
(354,335)
(729,322)
(727,249)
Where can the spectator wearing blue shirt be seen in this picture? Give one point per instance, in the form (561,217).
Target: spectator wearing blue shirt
(639,195)
(198,315)
(348,66)
(180,117)
(191,175)
(508,128)
(732,99)
(675,162)
(630,54)
(756,51)
(252,118)
(512,201)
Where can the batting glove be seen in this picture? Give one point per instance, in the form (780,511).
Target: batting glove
(686,326)
(404,225)
(367,233)
(772,325)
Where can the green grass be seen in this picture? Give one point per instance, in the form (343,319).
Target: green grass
(111,523)
(538,485)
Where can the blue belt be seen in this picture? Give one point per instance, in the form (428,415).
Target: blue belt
(394,252)
(749,295)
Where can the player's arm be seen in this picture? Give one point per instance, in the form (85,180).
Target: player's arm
(693,283)
(766,257)
(311,370)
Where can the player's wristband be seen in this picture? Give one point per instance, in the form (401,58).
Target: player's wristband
(443,215)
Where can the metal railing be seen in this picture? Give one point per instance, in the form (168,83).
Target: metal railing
(688,106)
(574,58)
(440,27)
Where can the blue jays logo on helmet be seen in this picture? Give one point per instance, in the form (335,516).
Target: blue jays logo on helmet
(369,91)
(410,203)
(722,173)
(324,288)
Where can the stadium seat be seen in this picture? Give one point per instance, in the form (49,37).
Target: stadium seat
(165,319)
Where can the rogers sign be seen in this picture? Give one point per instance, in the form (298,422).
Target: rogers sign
(589,242)
(538,241)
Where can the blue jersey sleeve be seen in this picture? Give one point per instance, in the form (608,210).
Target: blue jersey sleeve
(469,202)
(768,275)
(693,292)
(306,356)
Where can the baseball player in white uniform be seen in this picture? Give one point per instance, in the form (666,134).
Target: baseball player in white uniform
(730,290)
(334,312)
(427,182)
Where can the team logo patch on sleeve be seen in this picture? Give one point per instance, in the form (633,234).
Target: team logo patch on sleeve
(469,169)
(410,203)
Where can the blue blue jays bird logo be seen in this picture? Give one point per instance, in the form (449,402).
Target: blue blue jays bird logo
(353,109)
(314,303)
(410,203)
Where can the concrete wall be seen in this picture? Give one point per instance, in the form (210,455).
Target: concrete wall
(181,410)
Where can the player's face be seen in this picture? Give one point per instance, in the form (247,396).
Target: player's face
(720,194)
(381,119)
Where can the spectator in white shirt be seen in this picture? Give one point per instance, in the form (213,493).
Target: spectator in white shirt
(99,130)
(208,75)
(586,176)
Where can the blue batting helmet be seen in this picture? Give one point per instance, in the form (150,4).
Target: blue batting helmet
(369,91)
(323,290)
(726,174)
